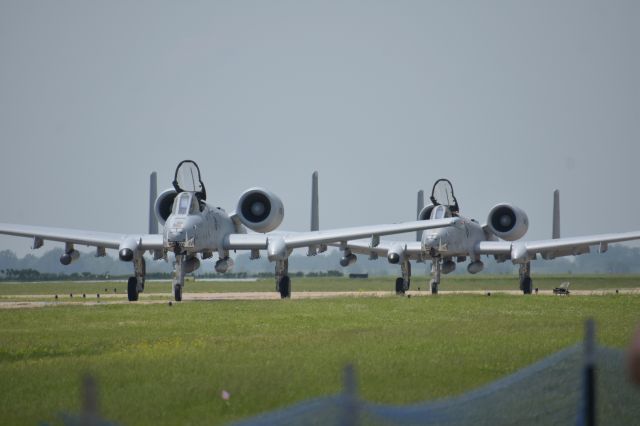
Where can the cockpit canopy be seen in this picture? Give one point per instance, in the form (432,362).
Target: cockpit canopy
(442,196)
(440,212)
(187,179)
(186,203)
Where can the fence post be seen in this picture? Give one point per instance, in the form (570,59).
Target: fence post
(587,414)
(351,407)
(89,415)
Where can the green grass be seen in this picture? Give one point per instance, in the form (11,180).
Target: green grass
(157,364)
(450,282)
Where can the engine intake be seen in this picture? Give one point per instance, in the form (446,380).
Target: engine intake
(508,222)
(260,210)
(425,213)
(164,205)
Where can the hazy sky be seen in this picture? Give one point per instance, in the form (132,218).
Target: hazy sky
(509,100)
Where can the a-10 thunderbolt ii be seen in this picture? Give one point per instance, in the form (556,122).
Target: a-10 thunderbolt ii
(194,230)
(499,237)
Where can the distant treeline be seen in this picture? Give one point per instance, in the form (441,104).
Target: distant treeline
(619,259)
(31,275)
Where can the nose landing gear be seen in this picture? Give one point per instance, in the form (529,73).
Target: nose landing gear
(436,270)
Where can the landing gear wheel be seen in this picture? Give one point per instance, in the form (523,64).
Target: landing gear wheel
(284,286)
(177,293)
(527,284)
(434,287)
(399,286)
(132,289)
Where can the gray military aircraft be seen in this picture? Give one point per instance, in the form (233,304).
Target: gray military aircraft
(193,227)
(499,237)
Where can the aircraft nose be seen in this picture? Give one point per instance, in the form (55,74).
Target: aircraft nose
(176,235)
(431,244)
(429,241)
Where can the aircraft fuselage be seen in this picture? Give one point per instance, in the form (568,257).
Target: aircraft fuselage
(199,231)
(456,240)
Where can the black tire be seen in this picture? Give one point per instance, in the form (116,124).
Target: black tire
(527,285)
(434,287)
(399,286)
(132,289)
(285,287)
(177,293)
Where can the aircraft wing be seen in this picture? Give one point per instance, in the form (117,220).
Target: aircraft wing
(413,249)
(340,235)
(550,249)
(76,236)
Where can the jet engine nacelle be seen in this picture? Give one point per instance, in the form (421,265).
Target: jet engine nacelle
(425,213)
(508,222)
(260,210)
(164,204)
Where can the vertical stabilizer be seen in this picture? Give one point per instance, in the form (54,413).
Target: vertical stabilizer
(556,215)
(315,215)
(153,194)
(420,207)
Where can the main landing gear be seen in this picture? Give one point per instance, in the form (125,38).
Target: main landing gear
(283,282)
(178,279)
(526,283)
(404,282)
(135,284)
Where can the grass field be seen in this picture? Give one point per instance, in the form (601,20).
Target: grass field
(452,282)
(160,364)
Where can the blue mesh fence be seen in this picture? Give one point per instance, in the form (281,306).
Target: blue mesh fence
(548,392)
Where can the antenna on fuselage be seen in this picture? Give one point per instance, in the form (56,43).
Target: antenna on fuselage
(420,207)
(153,194)
(555,232)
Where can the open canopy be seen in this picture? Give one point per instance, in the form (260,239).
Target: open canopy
(442,195)
(187,179)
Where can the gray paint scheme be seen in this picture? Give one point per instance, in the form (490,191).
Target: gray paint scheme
(468,239)
(202,229)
